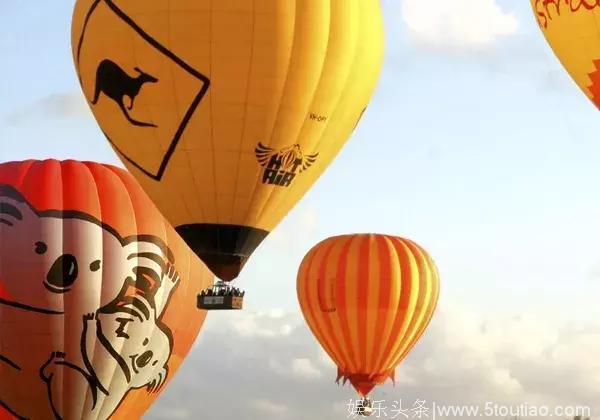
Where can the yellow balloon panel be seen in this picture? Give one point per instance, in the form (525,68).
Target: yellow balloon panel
(203,99)
(571,29)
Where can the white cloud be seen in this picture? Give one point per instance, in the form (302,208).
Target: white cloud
(457,23)
(269,407)
(57,105)
(304,368)
(274,323)
(463,359)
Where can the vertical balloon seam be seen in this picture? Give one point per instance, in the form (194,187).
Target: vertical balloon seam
(272,195)
(104,176)
(100,185)
(394,321)
(135,397)
(325,320)
(434,293)
(408,264)
(277,113)
(351,76)
(364,289)
(86,167)
(341,314)
(58,173)
(313,179)
(53,171)
(316,263)
(406,292)
(387,322)
(329,321)
(383,300)
(247,98)
(334,322)
(371,304)
(211,109)
(351,362)
(434,300)
(348,80)
(352,316)
(274,200)
(352,296)
(424,299)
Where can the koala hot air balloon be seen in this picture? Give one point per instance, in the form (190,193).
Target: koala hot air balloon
(97,293)
(227,112)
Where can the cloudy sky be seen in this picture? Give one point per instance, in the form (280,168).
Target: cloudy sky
(477,145)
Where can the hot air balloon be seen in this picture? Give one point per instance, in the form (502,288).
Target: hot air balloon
(367,299)
(97,293)
(571,29)
(227,112)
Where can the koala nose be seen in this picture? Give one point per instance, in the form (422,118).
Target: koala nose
(144,359)
(63,273)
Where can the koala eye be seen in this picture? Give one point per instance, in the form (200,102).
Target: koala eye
(41,248)
(95,266)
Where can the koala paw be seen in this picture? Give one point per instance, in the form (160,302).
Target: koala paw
(159,380)
(47,370)
(171,274)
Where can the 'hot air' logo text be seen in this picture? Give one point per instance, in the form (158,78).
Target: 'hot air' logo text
(281,167)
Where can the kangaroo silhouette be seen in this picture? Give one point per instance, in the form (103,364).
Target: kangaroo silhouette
(115,83)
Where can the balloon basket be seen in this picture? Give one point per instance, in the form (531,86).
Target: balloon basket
(222,297)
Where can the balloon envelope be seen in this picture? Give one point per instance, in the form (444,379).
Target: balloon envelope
(227,112)
(367,299)
(97,293)
(571,29)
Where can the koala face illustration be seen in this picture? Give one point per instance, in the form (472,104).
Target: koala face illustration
(149,362)
(56,262)
(144,344)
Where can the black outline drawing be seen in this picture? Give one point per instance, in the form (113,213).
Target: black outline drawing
(116,84)
(142,306)
(186,67)
(289,160)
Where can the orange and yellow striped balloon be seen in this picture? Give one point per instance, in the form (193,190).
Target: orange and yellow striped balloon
(368,299)
(571,29)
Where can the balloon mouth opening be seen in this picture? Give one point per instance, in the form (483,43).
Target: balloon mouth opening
(224,249)
(225,267)
(364,383)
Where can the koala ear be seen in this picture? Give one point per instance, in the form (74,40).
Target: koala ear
(13,206)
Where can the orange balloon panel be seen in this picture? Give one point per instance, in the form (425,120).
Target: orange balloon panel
(97,293)
(367,299)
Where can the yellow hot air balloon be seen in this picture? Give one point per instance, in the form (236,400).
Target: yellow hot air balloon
(368,299)
(571,29)
(227,112)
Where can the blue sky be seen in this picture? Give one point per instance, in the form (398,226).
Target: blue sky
(477,145)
